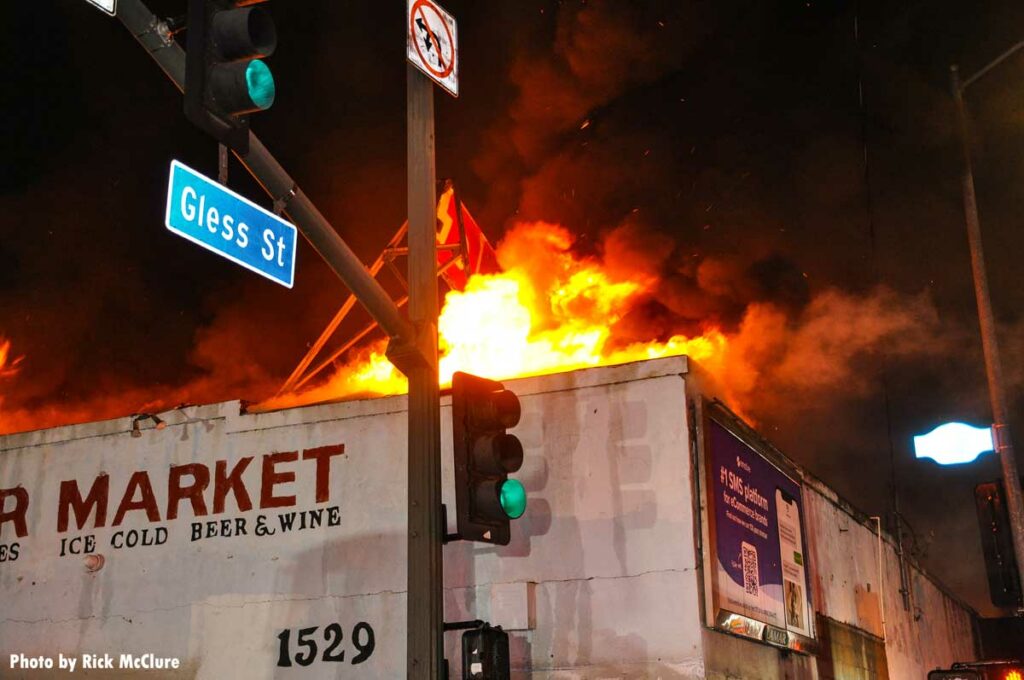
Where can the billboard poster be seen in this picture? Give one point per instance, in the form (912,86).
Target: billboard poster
(757,561)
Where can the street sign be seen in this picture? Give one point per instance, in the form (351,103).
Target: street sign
(954,443)
(432,43)
(108,6)
(218,219)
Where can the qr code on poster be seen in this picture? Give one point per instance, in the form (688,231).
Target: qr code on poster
(748,554)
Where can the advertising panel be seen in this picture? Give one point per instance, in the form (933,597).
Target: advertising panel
(756,564)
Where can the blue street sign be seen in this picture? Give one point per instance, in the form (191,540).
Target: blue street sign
(234,227)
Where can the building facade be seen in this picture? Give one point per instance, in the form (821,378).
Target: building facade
(663,539)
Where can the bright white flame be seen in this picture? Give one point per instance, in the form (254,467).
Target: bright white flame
(954,443)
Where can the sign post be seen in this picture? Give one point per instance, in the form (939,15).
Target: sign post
(432,53)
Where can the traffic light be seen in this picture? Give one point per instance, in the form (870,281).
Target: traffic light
(956,673)
(485,498)
(485,654)
(225,79)
(997,545)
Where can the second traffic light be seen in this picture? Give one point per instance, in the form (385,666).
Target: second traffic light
(485,454)
(225,79)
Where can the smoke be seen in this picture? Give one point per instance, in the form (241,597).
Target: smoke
(784,338)
(530,157)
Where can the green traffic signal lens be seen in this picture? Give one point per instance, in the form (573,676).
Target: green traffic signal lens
(513,498)
(260,81)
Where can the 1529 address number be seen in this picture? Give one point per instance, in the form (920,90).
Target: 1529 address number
(333,636)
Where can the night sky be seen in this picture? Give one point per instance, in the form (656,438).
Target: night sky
(797,157)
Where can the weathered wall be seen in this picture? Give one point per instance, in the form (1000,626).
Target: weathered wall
(216,603)
(608,535)
(601,579)
(843,549)
(936,631)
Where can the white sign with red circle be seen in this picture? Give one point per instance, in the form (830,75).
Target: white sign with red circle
(432,43)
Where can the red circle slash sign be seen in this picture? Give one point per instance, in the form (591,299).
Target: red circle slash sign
(421,7)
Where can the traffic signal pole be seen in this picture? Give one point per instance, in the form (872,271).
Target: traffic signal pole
(153,34)
(425,651)
(989,342)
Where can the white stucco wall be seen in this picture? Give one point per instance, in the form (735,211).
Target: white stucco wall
(601,579)
(606,542)
(934,632)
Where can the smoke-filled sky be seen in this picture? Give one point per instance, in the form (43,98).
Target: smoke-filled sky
(788,170)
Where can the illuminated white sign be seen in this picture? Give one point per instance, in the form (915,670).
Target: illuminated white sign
(108,6)
(432,43)
(954,443)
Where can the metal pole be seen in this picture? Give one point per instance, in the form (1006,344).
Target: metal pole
(989,343)
(425,651)
(296,377)
(155,36)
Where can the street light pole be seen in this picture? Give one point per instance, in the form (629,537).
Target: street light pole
(989,342)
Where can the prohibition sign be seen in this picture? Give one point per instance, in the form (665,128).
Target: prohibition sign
(429,17)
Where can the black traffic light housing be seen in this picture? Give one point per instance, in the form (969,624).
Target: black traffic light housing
(997,545)
(485,654)
(224,77)
(485,454)
(955,673)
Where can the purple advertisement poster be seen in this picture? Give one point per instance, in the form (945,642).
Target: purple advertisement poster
(759,567)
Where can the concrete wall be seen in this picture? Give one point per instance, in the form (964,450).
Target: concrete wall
(608,534)
(601,580)
(936,630)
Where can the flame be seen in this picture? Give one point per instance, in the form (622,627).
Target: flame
(551,310)
(8,369)
(8,366)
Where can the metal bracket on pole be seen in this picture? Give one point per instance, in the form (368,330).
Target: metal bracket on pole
(1001,437)
(408,354)
(447,538)
(281,202)
(222,164)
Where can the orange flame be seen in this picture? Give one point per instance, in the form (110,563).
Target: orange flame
(8,366)
(550,311)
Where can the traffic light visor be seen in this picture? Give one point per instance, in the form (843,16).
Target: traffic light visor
(244,32)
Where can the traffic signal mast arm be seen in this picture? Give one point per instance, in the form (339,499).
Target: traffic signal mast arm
(155,36)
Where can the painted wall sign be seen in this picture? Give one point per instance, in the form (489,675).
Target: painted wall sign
(209,544)
(758,559)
